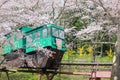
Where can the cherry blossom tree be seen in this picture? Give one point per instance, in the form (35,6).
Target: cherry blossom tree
(102,16)
(111,16)
(106,15)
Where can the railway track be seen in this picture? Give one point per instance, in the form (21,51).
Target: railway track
(85,69)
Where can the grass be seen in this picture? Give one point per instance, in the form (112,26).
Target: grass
(30,76)
(85,58)
(20,76)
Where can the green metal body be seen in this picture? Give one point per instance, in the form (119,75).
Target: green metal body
(7,49)
(19,40)
(44,36)
(7,46)
(15,41)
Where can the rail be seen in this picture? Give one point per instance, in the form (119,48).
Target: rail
(86,64)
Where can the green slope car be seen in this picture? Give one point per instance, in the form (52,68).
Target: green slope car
(30,40)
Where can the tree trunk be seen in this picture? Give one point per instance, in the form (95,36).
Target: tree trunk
(116,60)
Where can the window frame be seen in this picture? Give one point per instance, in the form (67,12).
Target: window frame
(48,32)
(61,32)
(18,36)
(53,33)
(44,34)
(37,34)
(58,33)
(30,37)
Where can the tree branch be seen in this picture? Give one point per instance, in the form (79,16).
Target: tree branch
(62,9)
(4,3)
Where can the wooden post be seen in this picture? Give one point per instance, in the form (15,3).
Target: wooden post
(47,76)
(93,75)
(7,76)
(116,59)
(94,78)
(40,76)
(0,74)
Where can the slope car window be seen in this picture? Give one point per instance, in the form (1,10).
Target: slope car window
(18,35)
(6,42)
(11,40)
(61,34)
(44,32)
(37,34)
(55,32)
(48,33)
(29,38)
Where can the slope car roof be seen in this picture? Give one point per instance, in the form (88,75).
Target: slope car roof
(25,29)
(45,25)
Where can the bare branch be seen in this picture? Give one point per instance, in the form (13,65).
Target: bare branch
(4,3)
(62,9)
